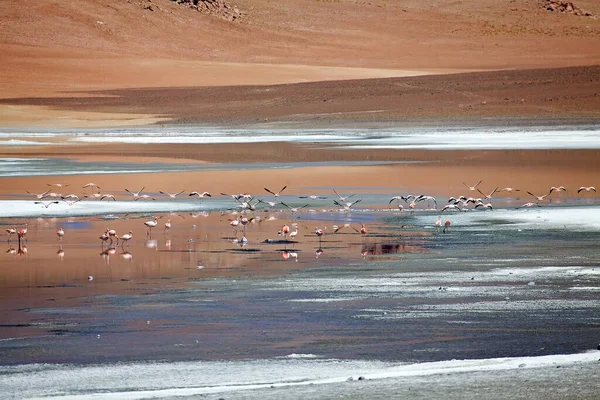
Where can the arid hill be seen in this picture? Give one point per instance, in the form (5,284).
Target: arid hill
(57,47)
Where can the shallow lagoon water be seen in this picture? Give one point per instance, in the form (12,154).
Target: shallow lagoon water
(274,314)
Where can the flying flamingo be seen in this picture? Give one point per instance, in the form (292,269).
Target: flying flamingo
(527,205)
(276,194)
(509,190)
(40,196)
(558,189)
(486,206)
(58,185)
(11,231)
(144,197)
(107,196)
(587,189)
(46,204)
(488,196)
(539,198)
(472,188)
(342,199)
(451,207)
(203,194)
(294,210)
(346,206)
(91,184)
(171,195)
(60,233)
(135,194)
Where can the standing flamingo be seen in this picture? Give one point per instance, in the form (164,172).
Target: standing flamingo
(446,226)
(11,231)
(284,231)
(167,226)
(294,234)
(319,232)
(125,238)
(60,233)
(151,224)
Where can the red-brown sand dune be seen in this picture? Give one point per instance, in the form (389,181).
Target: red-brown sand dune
(55,48)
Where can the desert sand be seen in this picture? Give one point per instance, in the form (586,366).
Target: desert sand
(85,53)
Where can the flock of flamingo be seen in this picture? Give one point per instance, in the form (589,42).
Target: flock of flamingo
(249,204)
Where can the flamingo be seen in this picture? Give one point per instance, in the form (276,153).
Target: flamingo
(40,196)
(70,196)
(171,195)
(46,204)
(446,226)
(276,194)
(527,205)
(539,198)
(11,231)
(363,229)
(342,199)
(21,233)
(313,197)
(294,234)
(107,196)
(472,188)
(509,190)
(587,189)
(294,210)
(167,226)
(235,223)
(451,207)
(91,184)
(319,232)
(284,231)
(557,189)
(426,198)
(203,194)
(438,224)
(58,185)
(104,237)
(112,234)
(336,229)
(60,233)
(135,194)
(125,238)
(144,197)
(487,206)
(151,224)
(488,196)
(347,206)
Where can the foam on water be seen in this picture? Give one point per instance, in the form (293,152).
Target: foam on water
(540,137)
(159,380)
(28,208)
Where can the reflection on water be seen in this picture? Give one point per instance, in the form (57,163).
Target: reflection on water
(345,287)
